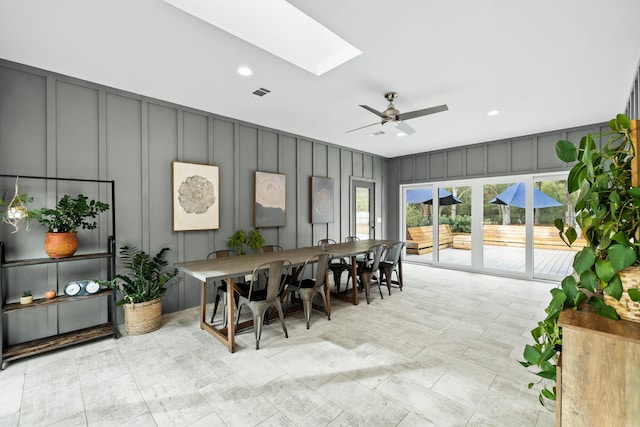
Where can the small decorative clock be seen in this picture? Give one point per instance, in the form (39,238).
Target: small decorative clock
(81,287)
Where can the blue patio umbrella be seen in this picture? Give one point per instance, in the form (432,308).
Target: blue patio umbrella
(425,195)
(514,196)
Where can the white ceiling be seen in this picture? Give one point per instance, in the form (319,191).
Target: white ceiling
(545,65)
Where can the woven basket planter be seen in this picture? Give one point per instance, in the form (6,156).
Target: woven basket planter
(626,307)
(143,317)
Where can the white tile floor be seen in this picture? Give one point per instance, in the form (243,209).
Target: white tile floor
(442,353)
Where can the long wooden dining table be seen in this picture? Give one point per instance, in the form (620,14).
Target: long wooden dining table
(229,268)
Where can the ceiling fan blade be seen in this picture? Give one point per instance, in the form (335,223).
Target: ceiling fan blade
(424,112)
(373,124)
(403,127)
(377,113)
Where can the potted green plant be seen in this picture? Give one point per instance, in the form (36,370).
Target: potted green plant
(63,222)
(16,211)
(142,288)
(26,298)
(608,216)
(253,239)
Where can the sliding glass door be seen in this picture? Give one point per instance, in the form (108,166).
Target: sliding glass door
(495,225)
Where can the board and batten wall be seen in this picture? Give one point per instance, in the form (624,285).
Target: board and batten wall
(57,126)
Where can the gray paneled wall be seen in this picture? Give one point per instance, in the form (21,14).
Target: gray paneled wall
(59,126)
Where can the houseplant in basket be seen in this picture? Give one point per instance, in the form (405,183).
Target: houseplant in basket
(607,213)
(63,222)
(142,288)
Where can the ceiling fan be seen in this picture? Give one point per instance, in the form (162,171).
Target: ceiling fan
(393,117)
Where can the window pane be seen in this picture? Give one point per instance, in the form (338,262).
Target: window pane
(503,231)
(362,212)
(419,224)
(455,225)
(551,256)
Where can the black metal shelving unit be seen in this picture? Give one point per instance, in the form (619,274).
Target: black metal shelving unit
(60,340)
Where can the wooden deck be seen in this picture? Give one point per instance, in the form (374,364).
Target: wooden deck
(546,262)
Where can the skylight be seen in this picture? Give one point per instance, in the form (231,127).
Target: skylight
(277,27)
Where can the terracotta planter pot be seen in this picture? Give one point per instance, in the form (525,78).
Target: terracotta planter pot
(143,317)
(61,245)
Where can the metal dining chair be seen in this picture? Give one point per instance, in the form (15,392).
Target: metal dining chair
(368,269)
(259,299)
(220,287)
(337,266)
(308,288)
(347,262)
(389,264)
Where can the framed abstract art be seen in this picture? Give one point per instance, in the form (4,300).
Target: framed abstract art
(321,199)
(270,200)
(196,196)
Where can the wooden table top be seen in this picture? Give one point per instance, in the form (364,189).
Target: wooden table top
(234,266)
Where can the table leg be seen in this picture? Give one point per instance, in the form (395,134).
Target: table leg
(224,335)
(354,280)
(231,315)
(400,282)
(327,292)
(203,305)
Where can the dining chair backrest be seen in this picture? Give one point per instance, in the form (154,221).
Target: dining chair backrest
(376,254)
(222,253)
(270,248)
(351,239)
(322,262)
(392,255)
(326,241)
(276,271)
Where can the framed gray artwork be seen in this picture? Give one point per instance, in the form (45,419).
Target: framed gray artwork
(270,200)
(196,196)
(321,199)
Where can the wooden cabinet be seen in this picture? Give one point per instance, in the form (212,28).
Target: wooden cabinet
(15,276)
(599,378)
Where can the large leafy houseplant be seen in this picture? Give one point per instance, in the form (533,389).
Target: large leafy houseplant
(146,278)
(608,214)
(70,214)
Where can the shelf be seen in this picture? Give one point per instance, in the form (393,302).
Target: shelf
(104,266)
(38,261)
(42,345)
(53,301)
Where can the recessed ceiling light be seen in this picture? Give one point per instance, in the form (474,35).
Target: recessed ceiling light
(272,26)
(402,134)
(493,113)
(245,71)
